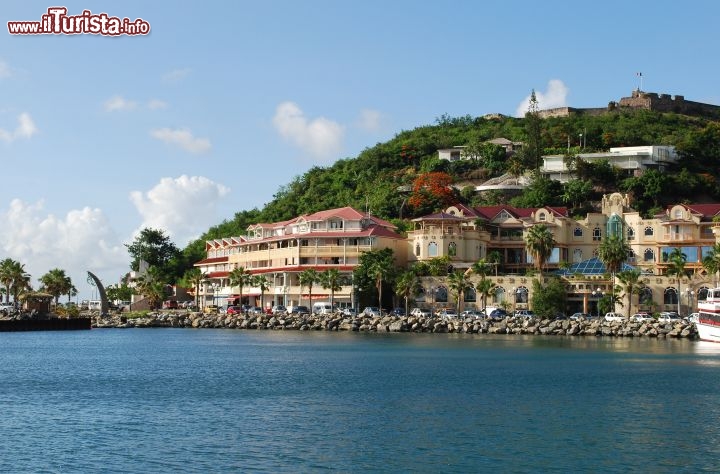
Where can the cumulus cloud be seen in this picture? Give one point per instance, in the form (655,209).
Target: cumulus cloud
(5,70)
(26,128)
(320,137)
(183,207)
(554,96)
(182,138)
(176,74)
(156,104)
(119,103)
(81,240)
(369,120)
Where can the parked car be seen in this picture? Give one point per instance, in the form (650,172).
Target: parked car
(693,317)
(7,308)
(472,313)
(668,317)
(234,310)
(170,304)
(211,308)
(279,309)
(398,312)
(614,317)
(642,318)
(349,312)
(420,313)
(524,313)
(580,316)
(255,310)
(371,311)
(498,314)
(300,310)
(448,314)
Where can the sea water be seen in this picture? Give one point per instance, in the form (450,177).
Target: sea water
(183,400)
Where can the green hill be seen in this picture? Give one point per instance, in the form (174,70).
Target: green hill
(380,177)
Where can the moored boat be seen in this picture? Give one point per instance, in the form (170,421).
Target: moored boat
(708,323)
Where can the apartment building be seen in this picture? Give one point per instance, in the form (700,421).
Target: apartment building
(281,251)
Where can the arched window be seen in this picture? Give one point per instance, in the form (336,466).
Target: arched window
(645,296)
(649,255)
(614,226)
(649,231)
(441,294)
(702,293)
(452,249)
(417,249)
(499,294)
(541,216)
(577,255)
(670,296)
(470,295)
(521,295)
(632,257)
(578,232)
(432,249)
(597,233)
(631,233)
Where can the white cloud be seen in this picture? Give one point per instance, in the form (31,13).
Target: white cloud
(320,137)
(26,128)
(5,70)
(183,207)
(81,240)
(554,96)
(119,103)
(156,104)
(182,138)
(370,120)
(176,74)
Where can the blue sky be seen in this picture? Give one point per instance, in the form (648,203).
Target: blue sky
(224,102)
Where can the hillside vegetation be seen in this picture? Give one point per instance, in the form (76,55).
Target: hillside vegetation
(403,177)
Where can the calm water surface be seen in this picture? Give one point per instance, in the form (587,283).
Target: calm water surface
(180,400)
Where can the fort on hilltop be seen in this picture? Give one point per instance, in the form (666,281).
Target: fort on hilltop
(644,101)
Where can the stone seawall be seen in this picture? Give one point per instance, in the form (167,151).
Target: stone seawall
(332,322)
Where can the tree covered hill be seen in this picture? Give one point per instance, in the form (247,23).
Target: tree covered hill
(403,177)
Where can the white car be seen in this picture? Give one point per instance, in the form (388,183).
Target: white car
(694,317)
(448,314)
(614,317)
(642,318)
(668,318)
(420,313)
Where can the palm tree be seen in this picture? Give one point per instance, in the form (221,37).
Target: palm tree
(308,278)
(151,287)
(677,260)
(407,285)
(263,284)
(330,280)
(494,258)
(711,262)
(56,283)
(631,285)
(240,277)
(459,284)
(380,270)
(485,288)
(481,268)
(540,243)
(613,252)
(194,277)
(13,277)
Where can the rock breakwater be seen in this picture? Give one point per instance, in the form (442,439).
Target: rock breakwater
(361,323)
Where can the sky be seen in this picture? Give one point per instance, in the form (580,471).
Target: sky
(223,103)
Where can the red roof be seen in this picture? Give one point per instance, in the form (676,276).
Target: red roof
(217,274)
(705,210)
(208,261)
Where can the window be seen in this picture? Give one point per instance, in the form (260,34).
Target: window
(577,255)
(441,294)
(597,233)
(521,295)
(670,296)
(432,249)
(632,257)
(470,295)
(649,255)
(499,294)
(452,249)
(417,250)
(649,232)
(541,216)
(645,297)
(336,224)
(630,234)
(578,232)
(678,213)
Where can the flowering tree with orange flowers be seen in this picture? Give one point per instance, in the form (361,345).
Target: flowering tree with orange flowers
(432,190)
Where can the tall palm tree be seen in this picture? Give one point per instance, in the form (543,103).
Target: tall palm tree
(241,278)
(151,287)
(481,268)
(711,262)
(485,288)
(330,280)
(459,284)
(407,285)
(540,243)
(263,284)
(308,278)
(495,258)
(195,277)
(381,270)
(56,283)
(632,285)
(13,277)
(677,260)
(613,252)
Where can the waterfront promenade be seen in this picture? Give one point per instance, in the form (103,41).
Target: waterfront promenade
(361,323)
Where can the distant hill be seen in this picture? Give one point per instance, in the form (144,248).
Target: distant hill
(379,178)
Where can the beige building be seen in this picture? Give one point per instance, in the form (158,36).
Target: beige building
(280,251)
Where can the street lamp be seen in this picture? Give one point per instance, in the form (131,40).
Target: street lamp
(215,285)
(690,294)
(597,293)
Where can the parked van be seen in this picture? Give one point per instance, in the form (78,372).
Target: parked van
(323,307)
